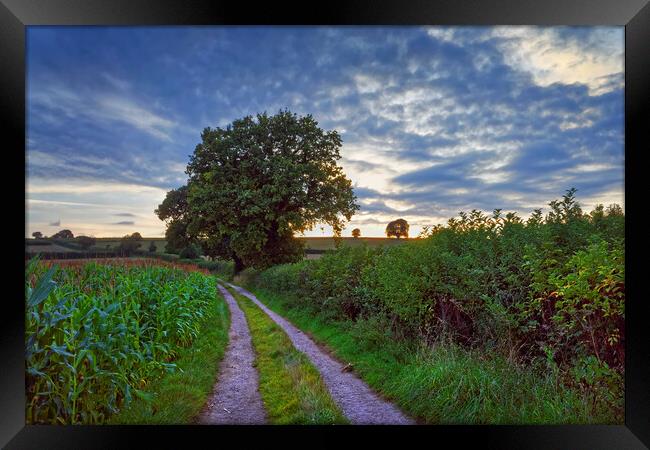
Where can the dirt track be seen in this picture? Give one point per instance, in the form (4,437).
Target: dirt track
(236,399)
(357,401)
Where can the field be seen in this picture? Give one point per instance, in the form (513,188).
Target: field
(114,243)
(47,248)
(314,246)
(328,243)
(101,245)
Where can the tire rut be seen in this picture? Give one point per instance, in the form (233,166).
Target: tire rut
(358,402)
(235,398)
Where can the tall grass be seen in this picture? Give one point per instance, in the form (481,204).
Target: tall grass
(97,335)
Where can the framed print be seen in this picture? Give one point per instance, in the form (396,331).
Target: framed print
(396,219)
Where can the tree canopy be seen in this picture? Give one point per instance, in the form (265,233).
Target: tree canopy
(398,228)
(130,243)
(255,183)
(63,234)
(356,233)
(37,235)
(174,210)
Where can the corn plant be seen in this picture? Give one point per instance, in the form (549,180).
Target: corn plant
(96,335)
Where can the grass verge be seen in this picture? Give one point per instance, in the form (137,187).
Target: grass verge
(445,384)
(177,397)
(291,388)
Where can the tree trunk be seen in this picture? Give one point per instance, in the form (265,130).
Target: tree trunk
(239,264)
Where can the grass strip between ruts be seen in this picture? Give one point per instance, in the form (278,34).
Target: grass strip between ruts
(292,389)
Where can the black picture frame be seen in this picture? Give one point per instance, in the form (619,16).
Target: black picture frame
(15,15)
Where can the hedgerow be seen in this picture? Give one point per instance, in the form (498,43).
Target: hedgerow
(548,291)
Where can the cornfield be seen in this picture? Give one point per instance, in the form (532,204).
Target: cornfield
(97,334)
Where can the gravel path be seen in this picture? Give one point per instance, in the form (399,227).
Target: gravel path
(357,401)
(235,399)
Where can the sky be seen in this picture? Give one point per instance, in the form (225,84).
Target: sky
(434,120)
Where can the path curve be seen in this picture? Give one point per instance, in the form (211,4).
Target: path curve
(235,398)
(357,401)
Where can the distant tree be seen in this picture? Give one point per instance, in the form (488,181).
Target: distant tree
(85,241)
(152,247)
(63,234)
(37,235)
(398,228)
(130,243)
(356,233)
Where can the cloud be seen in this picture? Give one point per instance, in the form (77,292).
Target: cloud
(116,82)
(53,100)
(123,110)
(55,224)
(124,214)
(449,172)
(124,222)
(432,119)
(591,56)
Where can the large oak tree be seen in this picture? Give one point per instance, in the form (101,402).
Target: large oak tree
(256,183)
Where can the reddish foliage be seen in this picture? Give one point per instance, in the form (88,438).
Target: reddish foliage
(128,262)
(448,314)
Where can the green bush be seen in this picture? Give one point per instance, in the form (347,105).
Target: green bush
(220,267)
(192,251)
(330,284)
(581,305)
(169,257)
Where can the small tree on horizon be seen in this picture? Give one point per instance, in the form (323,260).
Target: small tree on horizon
(356,233)
(398,228)
(37,235)
(63,234)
